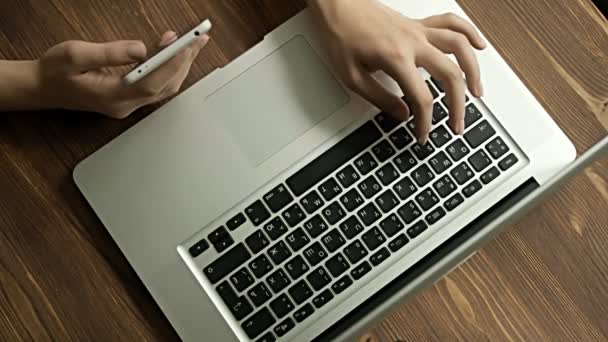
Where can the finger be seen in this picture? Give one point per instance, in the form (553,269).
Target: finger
(167,38)
(84,56)
(453,22)
(364,84)
(457,44)
(417,95)
(442,68)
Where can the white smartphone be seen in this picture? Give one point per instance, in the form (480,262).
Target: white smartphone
(167,53)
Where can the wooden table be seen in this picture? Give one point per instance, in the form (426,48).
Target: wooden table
(63,278)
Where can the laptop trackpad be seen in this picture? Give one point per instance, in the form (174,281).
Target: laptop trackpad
(277,100)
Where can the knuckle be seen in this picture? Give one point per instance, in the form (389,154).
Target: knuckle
(425,99)
(460,41)
(453,73)
(70,50)
(451,17)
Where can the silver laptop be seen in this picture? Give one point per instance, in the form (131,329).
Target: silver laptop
(270,202)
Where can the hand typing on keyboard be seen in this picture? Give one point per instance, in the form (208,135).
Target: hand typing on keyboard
(365,36)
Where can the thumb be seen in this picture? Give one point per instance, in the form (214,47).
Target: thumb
(84,56)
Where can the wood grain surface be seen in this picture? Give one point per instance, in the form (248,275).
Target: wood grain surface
(62,277)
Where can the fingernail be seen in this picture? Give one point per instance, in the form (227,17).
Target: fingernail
(136,51)
(461,127)
(168,38)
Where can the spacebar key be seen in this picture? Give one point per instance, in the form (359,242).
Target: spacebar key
(227,263)
(333,158)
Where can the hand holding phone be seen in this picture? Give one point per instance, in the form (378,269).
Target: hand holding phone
(142,70)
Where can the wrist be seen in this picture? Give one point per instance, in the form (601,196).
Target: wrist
(20,86)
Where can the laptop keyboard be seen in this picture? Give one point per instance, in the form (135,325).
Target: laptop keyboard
(348,211)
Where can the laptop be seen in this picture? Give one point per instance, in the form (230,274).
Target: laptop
(268,202)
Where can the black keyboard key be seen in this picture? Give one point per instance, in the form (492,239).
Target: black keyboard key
(383,151)
(281,306)
(471,188)
(369,214)
(278,281)
(351,227)
(333,213)
(257,213)
(453,202)
(379,256)
(241,308)
(315,226)
(405,188)
(227,263)
(471,115)
(260,266)
(293,215)
(300,292)
(275,228)
(267,337)
(391,225)
(259,294)
(333,240)
(279,252)
(440,136)
(218,235)
(369,187)
(387,201)
(458,150)
(365,163)
(258,323)
(227,293)
(401,138)
(330,189)
(405,161)
(351,200)
(315,253)
(440,162)
(423,175)
(296,267)
(489,175)
(409,212)
(198,248)
(318,278)
(386,121)
(334,158)
(435,215)
(423,151)
(278,198)
(337,265)
(297,239)
(398,242)
(432,90)
(480,160)
(507,162)
(439,113)
(387,174)
(497,148)
(341,284)
(360,270)
(444,186)
(303,313)
(223,245)
(411,126)
(479,134)
(236,221)
(323,298)
(373,238)
(462,173)
(417,229)
(347,176)
(241,279)
(438,84)
(284,327)
(257,241)
(355,252)
(312,201)
(427,199)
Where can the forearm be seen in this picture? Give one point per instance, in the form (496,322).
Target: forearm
(18,84)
